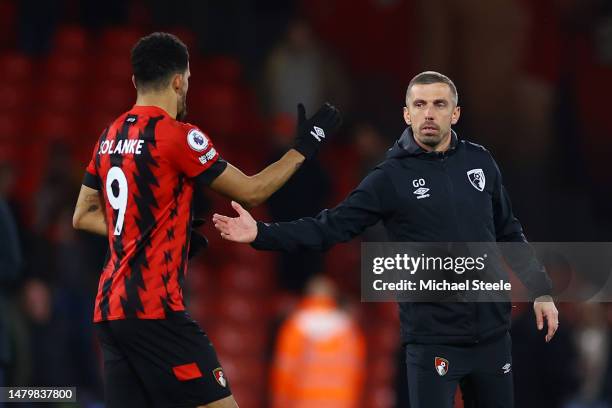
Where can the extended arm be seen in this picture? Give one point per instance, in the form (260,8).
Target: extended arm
(251,191)
(367,204)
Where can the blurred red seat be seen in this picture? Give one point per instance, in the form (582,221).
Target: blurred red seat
(185,35)
(66,67)
(247,377)
(243,278)
(381,369)
(15,67)
(71,39)
(15,96)
(111,68)
(112,96)
(119,40)
(383,339)
(8,24)
(382,396)
(239,340)
(95,122)
(12,127)
(224,110)
(243,309)
(54,126)
(220,69)
(56,96)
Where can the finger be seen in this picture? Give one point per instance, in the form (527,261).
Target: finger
(553,325)
(224,218)
(222,228)
(238,208)
(539,318)
(301,112)
(222,223)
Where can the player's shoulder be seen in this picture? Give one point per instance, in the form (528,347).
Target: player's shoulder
(183,128)
(472,147)
(475,148)
(178,133)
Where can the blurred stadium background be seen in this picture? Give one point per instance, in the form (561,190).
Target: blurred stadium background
(534,78)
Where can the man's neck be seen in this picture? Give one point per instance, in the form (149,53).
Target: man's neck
(162,100)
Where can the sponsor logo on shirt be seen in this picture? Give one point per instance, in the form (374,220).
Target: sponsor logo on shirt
(208,156)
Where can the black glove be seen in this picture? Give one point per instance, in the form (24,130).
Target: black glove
(197,240)
(312,133)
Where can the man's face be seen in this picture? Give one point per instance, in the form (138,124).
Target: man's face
(430,111)
(181,93)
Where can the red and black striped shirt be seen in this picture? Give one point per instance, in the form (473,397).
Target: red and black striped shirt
(145,163)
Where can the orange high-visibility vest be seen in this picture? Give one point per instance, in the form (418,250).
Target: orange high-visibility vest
(319,358)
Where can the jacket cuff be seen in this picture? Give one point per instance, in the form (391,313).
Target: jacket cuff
(262,241)
(542,289)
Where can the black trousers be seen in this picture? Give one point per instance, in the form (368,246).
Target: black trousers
(483,371)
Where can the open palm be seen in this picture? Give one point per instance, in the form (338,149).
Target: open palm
(238,229)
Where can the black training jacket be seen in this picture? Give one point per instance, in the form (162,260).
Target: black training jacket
(455,210)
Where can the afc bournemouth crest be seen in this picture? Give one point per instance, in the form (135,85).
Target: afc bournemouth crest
(220,377)
(441,365)
(477,178)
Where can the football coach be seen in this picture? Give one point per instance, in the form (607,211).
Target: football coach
(446,344)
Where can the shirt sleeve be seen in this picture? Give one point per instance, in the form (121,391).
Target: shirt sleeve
(193,154)
(370,202)
(91,178)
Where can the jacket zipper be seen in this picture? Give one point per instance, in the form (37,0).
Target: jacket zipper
(451,193)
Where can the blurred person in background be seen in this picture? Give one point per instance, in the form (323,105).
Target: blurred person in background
(556,361)
(138,191)
(468,341)
(593,339)
(11,262)
(302,196)
(371,147)
(300,70)
(320,356)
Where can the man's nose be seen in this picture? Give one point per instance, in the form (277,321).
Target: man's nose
(429,113)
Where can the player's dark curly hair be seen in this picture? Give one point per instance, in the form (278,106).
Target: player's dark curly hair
(156,57)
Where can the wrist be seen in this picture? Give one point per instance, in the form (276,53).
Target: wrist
(543,298)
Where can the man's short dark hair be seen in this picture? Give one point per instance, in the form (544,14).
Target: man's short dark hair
(156,57)
(433,77)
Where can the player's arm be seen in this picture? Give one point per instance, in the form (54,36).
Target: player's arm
(311,133)
(367,204)
(89,212)
(251,191)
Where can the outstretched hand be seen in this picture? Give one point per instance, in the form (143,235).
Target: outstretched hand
(238,229)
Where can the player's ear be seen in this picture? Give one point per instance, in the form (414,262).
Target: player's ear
(456,114)
(407,116)
(134,81)
(177,82)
